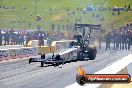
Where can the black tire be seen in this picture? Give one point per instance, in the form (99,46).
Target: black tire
(42,64)
(56,64)
(29,60)
(92,54)
(81,80)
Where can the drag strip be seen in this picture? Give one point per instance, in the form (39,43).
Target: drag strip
(10,68)
(23,75)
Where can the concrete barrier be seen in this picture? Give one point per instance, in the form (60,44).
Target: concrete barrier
(15,53)
(4,54)
(28,51)
(11,46)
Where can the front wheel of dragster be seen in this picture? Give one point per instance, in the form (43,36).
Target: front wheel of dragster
(92,53)
(30,60)
(81,80)
(56,64)
(42,64)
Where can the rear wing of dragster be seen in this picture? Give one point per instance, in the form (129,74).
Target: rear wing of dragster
(90,26)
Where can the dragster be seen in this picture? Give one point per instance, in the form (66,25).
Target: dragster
(67,55)
(78,50)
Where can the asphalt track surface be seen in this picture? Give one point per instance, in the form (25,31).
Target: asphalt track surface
(20,74)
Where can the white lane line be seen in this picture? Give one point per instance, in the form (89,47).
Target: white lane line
(112,69)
